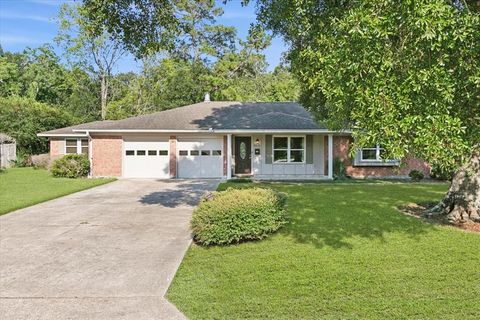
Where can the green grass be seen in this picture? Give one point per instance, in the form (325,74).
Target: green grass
(23,187)
(347,253)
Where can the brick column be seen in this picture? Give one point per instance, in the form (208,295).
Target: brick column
(173,156)
(106,156)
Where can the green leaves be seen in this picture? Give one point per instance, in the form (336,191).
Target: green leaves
(401,74)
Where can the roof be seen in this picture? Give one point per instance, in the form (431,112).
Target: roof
(215,115)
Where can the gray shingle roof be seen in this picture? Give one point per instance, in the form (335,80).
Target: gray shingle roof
(218,115)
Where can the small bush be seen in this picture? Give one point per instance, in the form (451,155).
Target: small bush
(41,161)
(237,215)
(71,166)
(416,175)
(438,173)
(22,160)
(339,169)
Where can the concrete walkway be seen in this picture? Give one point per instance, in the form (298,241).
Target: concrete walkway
(104,253)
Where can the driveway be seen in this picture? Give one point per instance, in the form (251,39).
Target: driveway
(105,253)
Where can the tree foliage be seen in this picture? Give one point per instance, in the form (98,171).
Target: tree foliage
(405,75)
(23,118)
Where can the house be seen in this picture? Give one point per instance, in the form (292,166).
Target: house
(265,140)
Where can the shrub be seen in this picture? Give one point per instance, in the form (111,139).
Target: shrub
(71,166)
(41,161)
(339,169)
(416,175)
(441,174)
(22,160)
(237,215)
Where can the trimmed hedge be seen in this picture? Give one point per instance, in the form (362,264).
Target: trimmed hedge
(71,166)
(237,215)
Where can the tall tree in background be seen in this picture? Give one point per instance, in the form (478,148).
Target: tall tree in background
(94,51)
(199,36)
(403,74)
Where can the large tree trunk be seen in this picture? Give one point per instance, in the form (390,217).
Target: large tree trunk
(462,202)
(104,94)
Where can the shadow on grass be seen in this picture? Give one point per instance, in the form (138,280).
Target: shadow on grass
(332,215)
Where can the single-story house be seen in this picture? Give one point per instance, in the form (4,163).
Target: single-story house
(219,139)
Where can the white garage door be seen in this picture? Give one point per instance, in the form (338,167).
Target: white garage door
(146,159)
(200,158)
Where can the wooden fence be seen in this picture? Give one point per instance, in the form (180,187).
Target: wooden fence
(8,152)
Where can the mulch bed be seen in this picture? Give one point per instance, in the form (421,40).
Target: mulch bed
(418,209)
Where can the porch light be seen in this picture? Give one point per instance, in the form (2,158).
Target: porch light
(257,142)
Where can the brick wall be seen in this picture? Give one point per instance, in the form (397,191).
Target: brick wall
(107,156)
(173,156)
(57,148)
(341,145)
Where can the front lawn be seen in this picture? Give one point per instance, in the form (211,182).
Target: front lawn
(23,187)
(347,253)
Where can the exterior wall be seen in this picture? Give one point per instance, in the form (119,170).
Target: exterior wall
(106,155)
(341,148)
(262,170)
(57,148)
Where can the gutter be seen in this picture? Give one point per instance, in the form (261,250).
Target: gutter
(326,131)
(61,135)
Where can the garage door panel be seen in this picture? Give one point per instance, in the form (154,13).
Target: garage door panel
(146,159)
(196,165)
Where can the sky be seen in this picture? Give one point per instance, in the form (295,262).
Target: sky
(30,23)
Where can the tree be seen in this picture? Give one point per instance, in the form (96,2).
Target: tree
(199,37)
(95,52)
(22,118)
(405,75)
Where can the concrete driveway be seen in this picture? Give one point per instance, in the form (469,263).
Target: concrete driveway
(105,253)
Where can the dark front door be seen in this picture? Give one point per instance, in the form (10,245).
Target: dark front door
(243,149)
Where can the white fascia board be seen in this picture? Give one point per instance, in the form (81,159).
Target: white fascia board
(303,131)
(73,135)
(139,131)
(347,132)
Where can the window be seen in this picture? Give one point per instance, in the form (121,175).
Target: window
(71,146)
(216,152)
(140,152)
(373,156)
(194,152)
(76,146)
(289,149)
(84,146)
(183,153)
(163,152)
(205,152)
(129,152)
(152,152)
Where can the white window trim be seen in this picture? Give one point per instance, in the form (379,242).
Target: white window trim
(377,162)
(79,145)
(289,149)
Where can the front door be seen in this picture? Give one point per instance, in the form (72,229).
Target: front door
(243,162)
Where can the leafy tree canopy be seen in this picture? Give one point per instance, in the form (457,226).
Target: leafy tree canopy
(403,74)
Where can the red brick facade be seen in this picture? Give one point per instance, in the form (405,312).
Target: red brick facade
(173,156)
(57,148)
(106,156)
(341,145)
